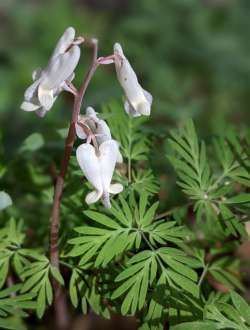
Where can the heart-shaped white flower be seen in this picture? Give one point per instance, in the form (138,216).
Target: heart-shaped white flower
(98,127)
(138,101)
(99,169)
(51,81)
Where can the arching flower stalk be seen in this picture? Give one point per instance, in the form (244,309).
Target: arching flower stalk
(97,161)
(48,83)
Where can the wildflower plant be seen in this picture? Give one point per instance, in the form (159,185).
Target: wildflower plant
(119,250)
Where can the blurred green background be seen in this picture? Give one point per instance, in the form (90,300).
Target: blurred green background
(193,56)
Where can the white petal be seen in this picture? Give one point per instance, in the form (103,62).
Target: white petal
(28,106)
(93,197)
(130,110)
(118,49)
(125,72)
(119,157)
(46,97)
(31,90)
(61,68)
(90,165)
(37,73)
(108,157)
(79,132)
(64,42)
(139,101)
(5,200)
(91,118)
(144,108)
(148,96)
(92,114)
(103,132)
(115,188)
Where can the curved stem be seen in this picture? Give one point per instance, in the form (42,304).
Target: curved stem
(60,299)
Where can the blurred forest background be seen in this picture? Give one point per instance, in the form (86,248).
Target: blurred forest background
(192,55)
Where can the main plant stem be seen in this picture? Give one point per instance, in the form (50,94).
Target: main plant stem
(60,305)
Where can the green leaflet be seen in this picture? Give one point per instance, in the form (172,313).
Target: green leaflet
(12,304)
(197,325)
(37,280)
(141,270)
(83,290)
(212,191)
(33,142)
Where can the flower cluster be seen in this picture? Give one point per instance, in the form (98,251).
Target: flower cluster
(98,156)
(48,83)
(97,160)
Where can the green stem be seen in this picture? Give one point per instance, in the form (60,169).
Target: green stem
(152,249)
(204,273)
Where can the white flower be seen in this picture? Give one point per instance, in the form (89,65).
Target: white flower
(98,169)
(49,82)
(98,127)
(138,101)
(89,120)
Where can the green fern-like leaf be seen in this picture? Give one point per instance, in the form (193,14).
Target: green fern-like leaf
(37,280)
(137,277)
(12,306)
(84,290)
(231,312)
(213,193)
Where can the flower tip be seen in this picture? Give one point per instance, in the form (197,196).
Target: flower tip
(93,197)
(94,41)
(118,48)
(144,109)
(70,31)
(28,106)
(24,106)
(90,111)
(68,35)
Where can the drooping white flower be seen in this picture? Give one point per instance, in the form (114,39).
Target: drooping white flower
(99,128)
(48,83)
(138,101)
(89,120)
(98,169)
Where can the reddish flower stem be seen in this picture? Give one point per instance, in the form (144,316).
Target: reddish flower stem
(62,317)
